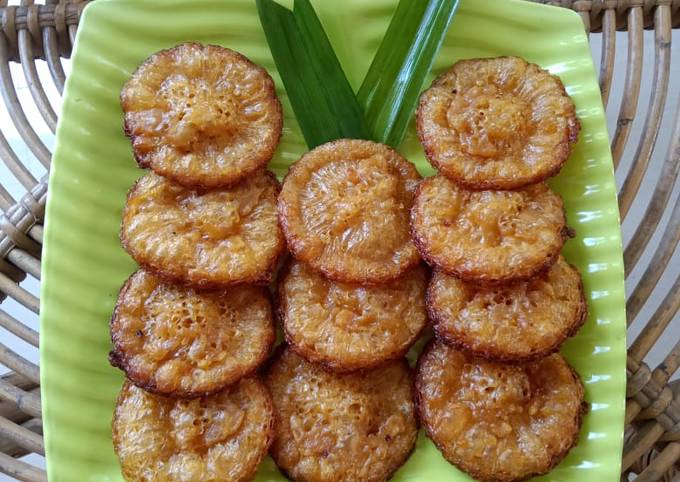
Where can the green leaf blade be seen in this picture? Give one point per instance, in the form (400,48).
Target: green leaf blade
(348,111)
(391,88)
(322,98)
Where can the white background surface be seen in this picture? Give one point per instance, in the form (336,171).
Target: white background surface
(632,220)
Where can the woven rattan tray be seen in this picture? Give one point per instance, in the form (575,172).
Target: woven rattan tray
(31,34)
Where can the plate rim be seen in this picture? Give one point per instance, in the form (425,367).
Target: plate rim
(52,232)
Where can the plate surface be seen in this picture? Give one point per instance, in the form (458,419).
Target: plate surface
(84,264)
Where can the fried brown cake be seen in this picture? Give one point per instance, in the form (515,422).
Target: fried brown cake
(344,210)
(497,123)
(202,115)
(178,342)
(214,238)
(341,428)
(516,323)
(220,438)
(347,327)
(498,422)
(488,237)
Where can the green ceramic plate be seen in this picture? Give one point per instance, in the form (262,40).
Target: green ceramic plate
(84,265)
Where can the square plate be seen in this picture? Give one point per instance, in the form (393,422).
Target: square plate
(84,264)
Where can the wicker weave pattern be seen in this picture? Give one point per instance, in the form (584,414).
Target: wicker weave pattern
(652,448)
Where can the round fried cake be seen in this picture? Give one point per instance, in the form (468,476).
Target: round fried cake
(497,123)
(516,323)
(215,238)
(341,428)
(348,327)
(488,236)
(220,438)
(344,210)
(178,342)
(202,115)
(499,422)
